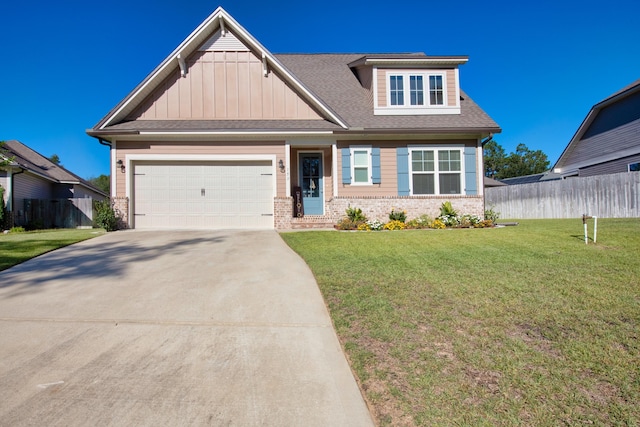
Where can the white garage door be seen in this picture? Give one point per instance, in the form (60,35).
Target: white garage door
(203,195)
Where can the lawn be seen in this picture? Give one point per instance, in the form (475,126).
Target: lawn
(509,326)
(19,247)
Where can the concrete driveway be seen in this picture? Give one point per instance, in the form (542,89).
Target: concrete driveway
(169,329)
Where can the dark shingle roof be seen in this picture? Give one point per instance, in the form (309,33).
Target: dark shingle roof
(26,158)
(329,76)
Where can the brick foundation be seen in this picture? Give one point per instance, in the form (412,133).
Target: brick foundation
(121,208)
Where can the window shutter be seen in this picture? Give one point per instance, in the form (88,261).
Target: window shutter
(346,166)
(375,165)
(470,178)
(402,159)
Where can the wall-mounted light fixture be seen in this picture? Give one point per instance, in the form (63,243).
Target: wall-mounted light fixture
(281,165)
(121,164)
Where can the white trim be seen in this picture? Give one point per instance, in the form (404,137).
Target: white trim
(457,77)
(334,168)
(287,166)
(352,150)
(131,158)
(375,88)
(416,61)
(436,172)
(239,133)
(629,166)
(479,168)
(113,168)
(414,111)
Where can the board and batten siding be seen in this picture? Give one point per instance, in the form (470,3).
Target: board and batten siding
(228,149)
(604,196)
(450,77)
(224,85)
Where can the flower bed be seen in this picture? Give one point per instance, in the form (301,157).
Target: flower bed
(355,219)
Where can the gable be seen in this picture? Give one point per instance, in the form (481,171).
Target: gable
(223,79)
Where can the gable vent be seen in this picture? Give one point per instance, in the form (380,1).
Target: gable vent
(220,43)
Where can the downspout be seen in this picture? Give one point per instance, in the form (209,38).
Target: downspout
(487,139)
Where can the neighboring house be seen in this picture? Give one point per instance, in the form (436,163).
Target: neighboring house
(490,182)
(30,175)
(225,134)
(528,179)
(608,140)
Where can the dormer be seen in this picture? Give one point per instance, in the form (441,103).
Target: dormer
(411,84)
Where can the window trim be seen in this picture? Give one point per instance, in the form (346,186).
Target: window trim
(426,89)
(436,171)
(352,151)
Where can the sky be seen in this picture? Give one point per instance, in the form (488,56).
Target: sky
(536,68)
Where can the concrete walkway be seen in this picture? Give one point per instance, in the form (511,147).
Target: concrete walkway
(171,329)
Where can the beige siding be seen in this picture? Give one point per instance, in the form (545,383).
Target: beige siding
(451,83)
(388,171)
(451,88)
(224,85)
(199,148)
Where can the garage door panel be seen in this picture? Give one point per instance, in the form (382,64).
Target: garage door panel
(203,195)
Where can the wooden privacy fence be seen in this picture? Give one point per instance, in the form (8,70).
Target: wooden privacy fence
(604,196)
(58,213)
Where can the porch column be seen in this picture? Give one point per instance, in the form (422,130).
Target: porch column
(287,163)
(334,167)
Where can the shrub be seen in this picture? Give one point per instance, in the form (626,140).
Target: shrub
(355,215)
(468,221)
(17,230)
(4,213)
(106,216)
(491,215)
(421,222)
(398,216)
(375,225)
(447,210)
(395,225)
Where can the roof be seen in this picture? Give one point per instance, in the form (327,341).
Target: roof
(326,81)
(490,182)
(528,179)
(25,158)
(621,94)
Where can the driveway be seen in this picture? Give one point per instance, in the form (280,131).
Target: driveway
(168,329)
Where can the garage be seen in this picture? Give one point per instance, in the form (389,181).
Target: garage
(203,195)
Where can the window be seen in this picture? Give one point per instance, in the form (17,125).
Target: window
(634,167)
(416,92)
(436,171)
(361,165)
(436,91)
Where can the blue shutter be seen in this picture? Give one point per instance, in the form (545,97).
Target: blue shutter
(470,170)
(402,159)
(375,165)
(346,166)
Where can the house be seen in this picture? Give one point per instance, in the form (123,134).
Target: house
(529,179)
(225,134)
(608,140)
(30,175)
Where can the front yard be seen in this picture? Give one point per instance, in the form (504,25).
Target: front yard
(521,325)
(19,247)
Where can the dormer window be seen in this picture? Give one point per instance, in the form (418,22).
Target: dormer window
(413,84)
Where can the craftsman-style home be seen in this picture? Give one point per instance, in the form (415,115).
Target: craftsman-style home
(225,134)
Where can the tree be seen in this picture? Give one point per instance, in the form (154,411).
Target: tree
(494,158)
(5,160)
(55,159)
(519,163)
(102,182)
(524,162)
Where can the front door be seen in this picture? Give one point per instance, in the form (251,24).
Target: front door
(310,169)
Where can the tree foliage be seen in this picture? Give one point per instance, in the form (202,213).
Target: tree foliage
(102,182)
(5,159)
(519,163)
(55,159)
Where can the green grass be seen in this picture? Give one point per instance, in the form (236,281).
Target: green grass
(510,326)
(20,247)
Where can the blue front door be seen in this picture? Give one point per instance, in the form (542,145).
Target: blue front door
(310,168)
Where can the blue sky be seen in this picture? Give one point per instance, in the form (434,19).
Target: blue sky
(536,68)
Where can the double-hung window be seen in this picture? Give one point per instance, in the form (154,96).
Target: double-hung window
(361,165)
(436,171)
(410,90)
